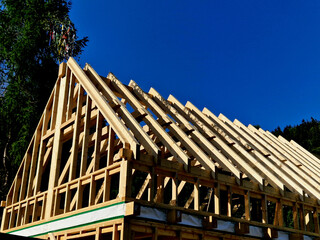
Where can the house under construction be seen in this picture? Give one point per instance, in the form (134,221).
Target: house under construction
(110,161)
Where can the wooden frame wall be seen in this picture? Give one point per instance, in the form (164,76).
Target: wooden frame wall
(96,130)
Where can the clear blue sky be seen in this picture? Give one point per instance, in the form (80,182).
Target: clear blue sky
(257,61)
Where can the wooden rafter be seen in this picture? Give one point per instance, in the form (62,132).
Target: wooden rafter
(100,143)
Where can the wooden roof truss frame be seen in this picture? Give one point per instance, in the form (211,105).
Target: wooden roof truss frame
(97,133)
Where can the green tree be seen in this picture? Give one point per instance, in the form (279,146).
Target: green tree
(307,134)
(35,35)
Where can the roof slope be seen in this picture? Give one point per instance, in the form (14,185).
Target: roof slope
(89,110)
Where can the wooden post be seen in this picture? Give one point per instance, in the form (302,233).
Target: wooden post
(110,146)
(247,205)
(155,234)
(278,219)
(196,199)
(151,188)
(307,220)
(79,196)
(18,216)
(92,192)
(84,152)
(26,213)
(5,219)
(174,199)
(67,199)
(316,220)
(125,179)
(98,233)
(302,218)
(295,210)
(76,133)
(115,232)
(97,143)
(24,175)
(57,146)
(264,206)
(126,232)
(160,189)
(217,198)
(106,187)
(229,213)
(33,165)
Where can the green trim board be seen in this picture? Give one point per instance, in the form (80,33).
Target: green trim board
(106,213)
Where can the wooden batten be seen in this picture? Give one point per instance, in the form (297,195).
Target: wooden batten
(110,161)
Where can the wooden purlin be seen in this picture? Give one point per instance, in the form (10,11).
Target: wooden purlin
(286,166)
(103,106)
(165,138)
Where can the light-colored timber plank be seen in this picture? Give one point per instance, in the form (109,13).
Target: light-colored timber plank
(292,156)
(108,113)
(33,166)
(304,162)
(301,183)
(70,104)
(97,142)
(311,186)
(175,129)
(57,147)
(272,162)
(267,169)
(317,160)
(85,142)
(226,150)
(306,158)
(134,126)
(75,138)
(196,135)
(24,180)
(151,122)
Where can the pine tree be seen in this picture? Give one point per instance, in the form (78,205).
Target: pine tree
(35,35)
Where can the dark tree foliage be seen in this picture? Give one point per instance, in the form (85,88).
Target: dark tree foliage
(307,134)
(29,58)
